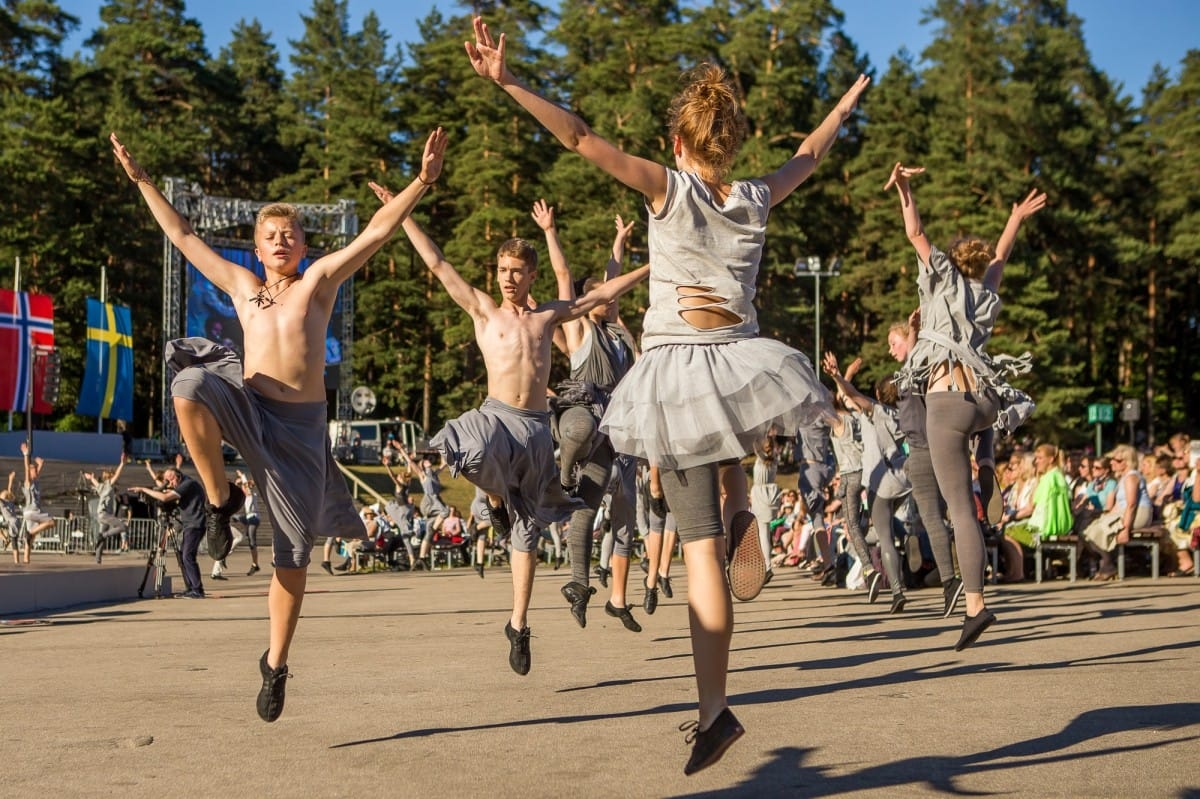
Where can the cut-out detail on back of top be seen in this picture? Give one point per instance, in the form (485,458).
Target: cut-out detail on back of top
(704,310)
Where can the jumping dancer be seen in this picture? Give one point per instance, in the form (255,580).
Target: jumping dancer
(962,384)
(882,472)
(911,413)
(505,447)
(36,519)
(706,387)
(109,522)
(272,407)
(601,352)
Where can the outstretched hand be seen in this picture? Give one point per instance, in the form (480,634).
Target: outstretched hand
(543,214)
(623,230)
(132,168)
(901,174)
(486,53)
(431,160)
(850,99)
(382,193)
(829,364)
(1035,202)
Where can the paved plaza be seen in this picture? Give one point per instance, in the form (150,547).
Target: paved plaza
(402,688)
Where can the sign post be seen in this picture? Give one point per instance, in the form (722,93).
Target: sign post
(1099,413)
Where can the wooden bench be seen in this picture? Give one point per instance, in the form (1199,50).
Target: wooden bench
(1148,537)
(1059,544)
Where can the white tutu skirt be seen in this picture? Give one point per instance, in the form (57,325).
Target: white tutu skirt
(685,405)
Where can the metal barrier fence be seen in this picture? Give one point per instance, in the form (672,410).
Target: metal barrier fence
(143,534)
(79,535)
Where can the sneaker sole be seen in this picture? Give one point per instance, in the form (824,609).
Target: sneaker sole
(747,567)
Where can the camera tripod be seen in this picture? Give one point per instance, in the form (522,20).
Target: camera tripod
(156,560)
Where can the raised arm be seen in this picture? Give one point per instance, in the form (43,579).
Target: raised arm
(543,215)
(613,268)
(815,146)
(25,458)
(340,264)
(468,298)
(120,467)
(603,294)
(225,275)
(1021,211)
(488,60)
(568,336)
(830,365)
(908,207)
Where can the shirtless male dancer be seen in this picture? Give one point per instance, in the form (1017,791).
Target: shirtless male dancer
(272,408)
(505,447)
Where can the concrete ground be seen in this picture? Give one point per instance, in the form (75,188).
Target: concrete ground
(402,688)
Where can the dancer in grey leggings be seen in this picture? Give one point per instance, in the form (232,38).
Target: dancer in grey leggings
(110,524)
(601,352)
(883,472)
(962,383)
(910,408)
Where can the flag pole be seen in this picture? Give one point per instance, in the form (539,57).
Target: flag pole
(16,288)
(103,299)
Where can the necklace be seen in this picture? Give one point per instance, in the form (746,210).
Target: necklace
(264,298)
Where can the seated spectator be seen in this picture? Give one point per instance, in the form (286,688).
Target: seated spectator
(1078,472)
(1131,510)
(1051,503)
(1015,533)
(1185,531)
(1098,496)
(356,547)
(1160,484)
(452,532)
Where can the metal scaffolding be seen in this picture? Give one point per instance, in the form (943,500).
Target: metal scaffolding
(334,224)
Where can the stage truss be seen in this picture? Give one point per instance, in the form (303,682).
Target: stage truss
(334,225)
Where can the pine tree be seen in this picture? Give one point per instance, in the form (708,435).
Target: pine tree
(247,152)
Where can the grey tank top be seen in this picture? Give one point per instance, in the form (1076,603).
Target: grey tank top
(605,356)
(705,253)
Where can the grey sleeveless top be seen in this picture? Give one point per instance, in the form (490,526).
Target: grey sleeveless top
(705,254)
(605,355)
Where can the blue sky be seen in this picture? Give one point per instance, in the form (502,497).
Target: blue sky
(1125,37)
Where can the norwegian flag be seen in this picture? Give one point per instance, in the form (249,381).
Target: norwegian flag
(26,322)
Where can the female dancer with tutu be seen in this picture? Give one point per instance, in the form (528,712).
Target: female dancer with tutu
(706,387)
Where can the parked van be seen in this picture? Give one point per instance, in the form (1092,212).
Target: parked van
(363,440)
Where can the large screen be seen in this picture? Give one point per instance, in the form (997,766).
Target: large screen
(210,313)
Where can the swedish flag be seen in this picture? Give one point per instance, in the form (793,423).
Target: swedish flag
(107,390)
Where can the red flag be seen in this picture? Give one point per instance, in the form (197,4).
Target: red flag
(26,323)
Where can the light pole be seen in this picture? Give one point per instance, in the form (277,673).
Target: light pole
(810,266)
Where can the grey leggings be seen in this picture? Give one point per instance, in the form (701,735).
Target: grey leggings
(952,417)
(850,491)
(576,441)
(883,512)
(695,500)
(578,444)
(931,507)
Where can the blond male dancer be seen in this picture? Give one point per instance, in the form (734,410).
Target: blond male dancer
(272,408)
